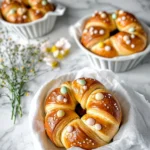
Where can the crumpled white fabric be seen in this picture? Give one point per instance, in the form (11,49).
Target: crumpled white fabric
(134,133)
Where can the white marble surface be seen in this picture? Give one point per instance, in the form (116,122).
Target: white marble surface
(18,137)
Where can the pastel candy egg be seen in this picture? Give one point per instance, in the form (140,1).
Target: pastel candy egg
(121,12)
(103,15)
(95,31)
(82,82)
(132,29)
(123,18)
(101,44)
(85,87)
(98,126)
(128,42)
(114,16)
(44,2)
(69,129)
(65,100)
(12,11)
(63,90)
(60,113)
(126,37)
(24,17)
(101,32)
(60,97)
(132,36)
(99,96)
(107,48)
(90,121)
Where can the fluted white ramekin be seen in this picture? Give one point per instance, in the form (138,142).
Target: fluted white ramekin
(36,28)
(116,64)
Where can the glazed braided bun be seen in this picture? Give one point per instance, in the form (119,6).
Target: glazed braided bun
(23,11)
(111,35)
(81,113)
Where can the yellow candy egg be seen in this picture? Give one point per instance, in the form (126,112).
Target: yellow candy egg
(101,44)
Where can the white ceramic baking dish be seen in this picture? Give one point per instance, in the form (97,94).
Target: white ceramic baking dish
(36,28)
(116,64)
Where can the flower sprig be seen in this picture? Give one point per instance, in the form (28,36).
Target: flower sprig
(18,65)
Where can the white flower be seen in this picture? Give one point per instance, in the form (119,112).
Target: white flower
(56,53)
(63,43)
(49,59)
(44,46)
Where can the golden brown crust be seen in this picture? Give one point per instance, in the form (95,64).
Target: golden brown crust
(23,11)
(81,136)
(44,8)
(93,35)
(108,104)
(96,127)
(125,22)
(54,124)
(105,49)
(56,98)
(83,90)
(101,19)
(130,46)
(35,14)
